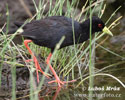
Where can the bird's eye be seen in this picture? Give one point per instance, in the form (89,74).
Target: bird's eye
(100,25)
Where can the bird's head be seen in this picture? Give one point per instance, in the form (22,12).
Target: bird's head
(98,25)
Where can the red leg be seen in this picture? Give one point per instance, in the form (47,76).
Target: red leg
(35,60)
(54,73)
(56,94)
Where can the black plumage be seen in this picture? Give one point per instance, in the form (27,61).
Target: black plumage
(47,32)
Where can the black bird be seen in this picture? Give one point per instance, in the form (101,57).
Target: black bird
(47,32)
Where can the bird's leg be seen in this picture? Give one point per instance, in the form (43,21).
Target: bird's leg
(35,60)
(54,73)
(57,92)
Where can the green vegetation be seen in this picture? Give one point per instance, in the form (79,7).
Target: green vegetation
(74,62)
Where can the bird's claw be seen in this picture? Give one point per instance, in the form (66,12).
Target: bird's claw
(61,83)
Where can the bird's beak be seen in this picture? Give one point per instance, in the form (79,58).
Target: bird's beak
(107,31)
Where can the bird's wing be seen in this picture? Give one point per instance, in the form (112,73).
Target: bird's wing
(48,27)
(47,32)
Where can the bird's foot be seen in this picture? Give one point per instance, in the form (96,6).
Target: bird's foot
(60,83)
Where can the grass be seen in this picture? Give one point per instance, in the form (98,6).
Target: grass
(64,61)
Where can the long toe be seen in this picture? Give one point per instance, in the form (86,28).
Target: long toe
(61,83)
